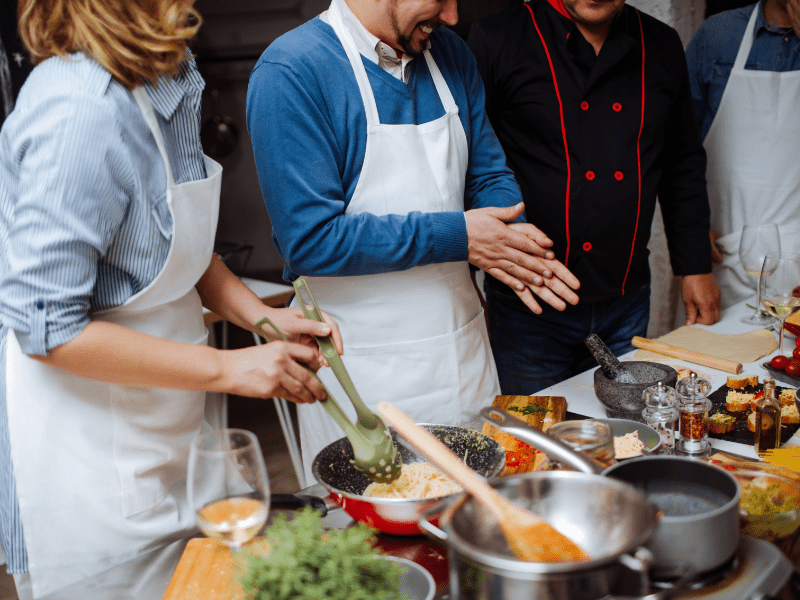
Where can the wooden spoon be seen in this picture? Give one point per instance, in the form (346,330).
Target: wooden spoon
(529,536)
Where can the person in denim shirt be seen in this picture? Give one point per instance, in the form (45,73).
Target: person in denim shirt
(748,118)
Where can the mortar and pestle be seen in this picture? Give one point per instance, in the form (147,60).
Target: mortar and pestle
(619,385)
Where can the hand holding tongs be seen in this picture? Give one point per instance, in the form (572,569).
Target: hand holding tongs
(376,455)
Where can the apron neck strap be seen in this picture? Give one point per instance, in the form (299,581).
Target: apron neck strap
(354,56)
(146,106)
(438,80)
(747,41)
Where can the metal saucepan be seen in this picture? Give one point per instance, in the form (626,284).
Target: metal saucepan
(699,525)
(400,516)
(609,519)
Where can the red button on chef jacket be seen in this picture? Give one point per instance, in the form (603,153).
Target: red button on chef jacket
(618,175)
(587,246)
(584,105)
(589,175)
(617,106)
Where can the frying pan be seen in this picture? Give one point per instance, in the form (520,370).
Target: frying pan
(699,503)
(399,516)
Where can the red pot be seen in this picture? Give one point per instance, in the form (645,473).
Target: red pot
(399,516)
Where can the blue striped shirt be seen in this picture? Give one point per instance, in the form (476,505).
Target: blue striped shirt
(84,222)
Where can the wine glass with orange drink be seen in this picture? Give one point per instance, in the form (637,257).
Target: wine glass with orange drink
(228,486)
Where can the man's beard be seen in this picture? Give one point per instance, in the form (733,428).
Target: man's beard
(406,42)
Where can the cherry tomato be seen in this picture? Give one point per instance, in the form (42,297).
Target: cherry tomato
(779,362)
(793,367)
(796,352)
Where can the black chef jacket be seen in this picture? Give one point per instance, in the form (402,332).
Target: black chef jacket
(601,227)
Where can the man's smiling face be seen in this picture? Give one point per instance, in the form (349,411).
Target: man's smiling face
(412,22)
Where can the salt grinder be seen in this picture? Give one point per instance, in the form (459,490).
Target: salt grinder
(693,406)
(661,413)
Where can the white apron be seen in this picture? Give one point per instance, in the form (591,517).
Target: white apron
(101,468)
(415,338)
(753,166)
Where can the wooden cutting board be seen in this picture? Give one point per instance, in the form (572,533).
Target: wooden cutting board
(539,412)
(205,572)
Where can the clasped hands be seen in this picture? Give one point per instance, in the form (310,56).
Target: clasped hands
(519,255)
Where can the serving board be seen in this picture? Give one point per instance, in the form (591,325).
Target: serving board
(540,412)
(205,572)
(741,433)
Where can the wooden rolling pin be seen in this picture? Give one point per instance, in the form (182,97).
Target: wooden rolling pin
(721,364)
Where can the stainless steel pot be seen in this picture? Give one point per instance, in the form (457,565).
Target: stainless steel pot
(699,503)
(608,518)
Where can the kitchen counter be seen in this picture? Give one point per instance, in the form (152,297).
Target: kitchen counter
(578,391)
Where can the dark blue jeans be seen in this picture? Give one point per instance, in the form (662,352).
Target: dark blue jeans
(533,352)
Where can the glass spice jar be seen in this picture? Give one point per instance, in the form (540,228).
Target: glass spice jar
(693,407)
(661,413)
(591,438)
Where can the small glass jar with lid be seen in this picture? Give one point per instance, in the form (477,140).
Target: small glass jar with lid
(591,438)
(661,413)
(693,407)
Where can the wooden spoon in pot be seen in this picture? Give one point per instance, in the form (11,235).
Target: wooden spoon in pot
(529,536)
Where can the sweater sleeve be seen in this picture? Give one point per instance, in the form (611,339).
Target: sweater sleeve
(682,188)
(490,182)
(301,157)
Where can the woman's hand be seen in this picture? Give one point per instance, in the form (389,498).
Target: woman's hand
(273,369)
(299,329)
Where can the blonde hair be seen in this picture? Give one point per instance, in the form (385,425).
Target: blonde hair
(134,40)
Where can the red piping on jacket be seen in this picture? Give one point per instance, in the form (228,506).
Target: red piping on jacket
(559,6)
(638,162)
(563,127)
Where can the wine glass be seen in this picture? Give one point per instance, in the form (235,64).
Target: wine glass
(757,241)
(228,486)
(780,287)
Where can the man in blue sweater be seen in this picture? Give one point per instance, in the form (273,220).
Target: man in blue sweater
(384,181)
(744,72)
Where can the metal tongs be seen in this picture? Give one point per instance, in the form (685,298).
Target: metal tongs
(375,454)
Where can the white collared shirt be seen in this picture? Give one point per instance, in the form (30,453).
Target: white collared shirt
(372,47)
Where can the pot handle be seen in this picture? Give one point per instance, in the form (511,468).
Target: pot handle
(297,501)
(555,449)
(428,528)
(687,575)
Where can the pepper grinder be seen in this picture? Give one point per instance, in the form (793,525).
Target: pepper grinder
(661,413)
(693,407)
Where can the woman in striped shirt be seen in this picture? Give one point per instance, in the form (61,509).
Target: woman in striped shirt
(107,214)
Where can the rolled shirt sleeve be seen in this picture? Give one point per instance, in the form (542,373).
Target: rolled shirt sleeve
(69,197)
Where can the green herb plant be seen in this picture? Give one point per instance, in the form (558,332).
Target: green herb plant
(306,561)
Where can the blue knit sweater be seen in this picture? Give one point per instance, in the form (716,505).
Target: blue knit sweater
(308,127)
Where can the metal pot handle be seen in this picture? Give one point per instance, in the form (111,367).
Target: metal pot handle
(428,528)
(555,449)
(687,575)
(297,501)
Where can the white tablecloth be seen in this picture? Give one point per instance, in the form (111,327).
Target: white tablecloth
(579,390)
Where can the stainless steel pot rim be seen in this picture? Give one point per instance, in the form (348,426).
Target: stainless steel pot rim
(690,518)
(517,568)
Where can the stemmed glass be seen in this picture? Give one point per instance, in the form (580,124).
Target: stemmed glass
(757,241)
(228,486)
(780,287)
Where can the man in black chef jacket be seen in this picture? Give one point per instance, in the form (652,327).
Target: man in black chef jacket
(591,102)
